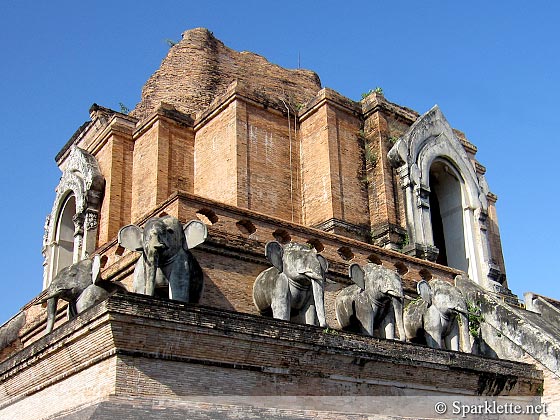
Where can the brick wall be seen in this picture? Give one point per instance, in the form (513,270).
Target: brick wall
(317,205)
(550,388)
(115,163)
(215,158)
(346,164)
(268,175)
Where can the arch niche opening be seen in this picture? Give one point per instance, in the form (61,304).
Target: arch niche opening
(65,234)
(446,212)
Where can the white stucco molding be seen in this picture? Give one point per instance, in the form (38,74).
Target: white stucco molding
(429,139)
(82,179)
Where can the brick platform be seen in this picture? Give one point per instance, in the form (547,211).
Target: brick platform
(159,357)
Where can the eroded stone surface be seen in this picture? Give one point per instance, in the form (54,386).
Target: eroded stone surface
(200,67)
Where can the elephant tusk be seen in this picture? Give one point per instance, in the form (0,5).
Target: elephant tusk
(313,276)
(395,295)
(461,311)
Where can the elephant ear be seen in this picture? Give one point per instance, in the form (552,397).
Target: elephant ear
(274,254)
(324,263)
(357,275)
(130,237)
(96,269)
(195,233)
(425,291)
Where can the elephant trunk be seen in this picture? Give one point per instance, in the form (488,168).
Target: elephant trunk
(319,298)
(399,323)
(51,313)
(152,259)
(464,333)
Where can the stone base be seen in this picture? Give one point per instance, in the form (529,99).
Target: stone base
(343,228)
(142,357)
(424,252)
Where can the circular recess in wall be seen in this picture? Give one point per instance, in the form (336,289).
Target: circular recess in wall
(207,216)
(162,214)
(282,236)
(372,258)
(425,274)
(402,269)
(316,243)
(345,253)
(103,260)
(246,226)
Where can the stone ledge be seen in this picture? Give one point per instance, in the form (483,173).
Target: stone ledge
(131,316)
(135,346)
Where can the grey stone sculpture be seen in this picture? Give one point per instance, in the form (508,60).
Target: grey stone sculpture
(166,263)
(294,287)
(439,316)
(79,284)
(374,304)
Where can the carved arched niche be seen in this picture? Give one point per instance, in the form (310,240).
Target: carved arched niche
(71,227)
(434,171)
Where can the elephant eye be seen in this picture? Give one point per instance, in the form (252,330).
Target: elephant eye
(170,231)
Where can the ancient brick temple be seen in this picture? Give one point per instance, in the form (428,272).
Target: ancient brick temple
(259,153)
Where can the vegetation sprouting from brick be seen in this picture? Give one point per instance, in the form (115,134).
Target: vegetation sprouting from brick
(377,90)
(475,317)
(370,158)
(124,108)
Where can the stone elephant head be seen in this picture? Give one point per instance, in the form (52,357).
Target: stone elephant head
(166,263)
(374,304)
(81,286)
(293,289)
(439,316)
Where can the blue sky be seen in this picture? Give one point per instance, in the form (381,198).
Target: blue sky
(492,67)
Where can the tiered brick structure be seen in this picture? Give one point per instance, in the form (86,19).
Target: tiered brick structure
(258,153)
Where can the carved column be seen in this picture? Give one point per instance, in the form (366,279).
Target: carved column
(78,220)
(417,206)
(91,223)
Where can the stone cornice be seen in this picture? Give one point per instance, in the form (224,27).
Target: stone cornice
(164,112)
(101,119)
(237,91)
(332,98)
(375,102)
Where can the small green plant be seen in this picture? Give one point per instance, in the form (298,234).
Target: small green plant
(124,108)
(475,317)
(370,156)
(413,301)
(404,241)
(330,331)
(393,139)
(365,181)
(171,43)
(377,90)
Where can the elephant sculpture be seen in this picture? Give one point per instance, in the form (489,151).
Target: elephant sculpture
(166,266)
(439,315)
(374,304)
(80,285)
(293,289)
